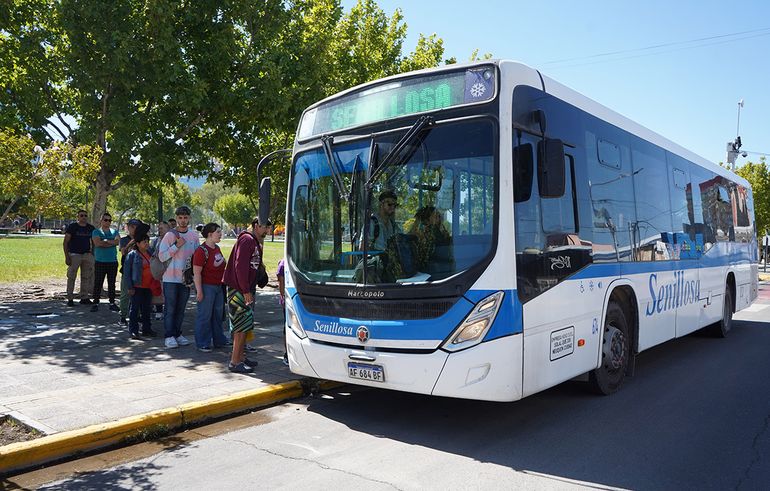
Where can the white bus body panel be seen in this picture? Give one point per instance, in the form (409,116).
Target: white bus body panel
(556,314)
(490,371)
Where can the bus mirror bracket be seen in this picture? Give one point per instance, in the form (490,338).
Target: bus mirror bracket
(264,201)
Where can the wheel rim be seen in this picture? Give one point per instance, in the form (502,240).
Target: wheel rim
(614,350)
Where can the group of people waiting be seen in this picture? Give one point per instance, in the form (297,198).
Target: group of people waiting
(154,274)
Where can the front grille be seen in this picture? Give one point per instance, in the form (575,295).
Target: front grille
(377,309)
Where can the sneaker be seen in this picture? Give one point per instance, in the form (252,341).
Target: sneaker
(158,316)
(250,363)
(205,349)
(149,333)
(182,341)
(171,343)
(85,301)
(239,368)
(123,320)
(136,336)
(70,303)
(251,348)
(114,308)
(95,308)
(286,359)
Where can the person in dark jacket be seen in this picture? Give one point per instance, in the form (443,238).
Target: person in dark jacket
(241,280)
(140,284)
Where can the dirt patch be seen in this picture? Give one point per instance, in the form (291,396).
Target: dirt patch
(12,431)
(41,290)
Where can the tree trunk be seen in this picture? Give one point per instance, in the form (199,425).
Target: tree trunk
(102,189)
(8,210)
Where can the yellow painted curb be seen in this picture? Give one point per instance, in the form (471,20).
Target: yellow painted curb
(22,455)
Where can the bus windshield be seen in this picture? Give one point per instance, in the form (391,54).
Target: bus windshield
(424,218)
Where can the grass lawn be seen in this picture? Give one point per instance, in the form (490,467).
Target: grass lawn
(30,259)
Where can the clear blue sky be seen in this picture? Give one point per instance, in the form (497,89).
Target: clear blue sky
(688,92)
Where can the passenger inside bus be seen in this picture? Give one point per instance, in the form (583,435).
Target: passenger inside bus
(434,242)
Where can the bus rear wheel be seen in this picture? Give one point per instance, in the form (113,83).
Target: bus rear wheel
(722,328)
(616,350)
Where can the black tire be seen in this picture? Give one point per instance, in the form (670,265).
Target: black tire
(722,328)
(616,352)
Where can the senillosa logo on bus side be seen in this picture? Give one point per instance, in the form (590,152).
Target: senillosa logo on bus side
(672,295)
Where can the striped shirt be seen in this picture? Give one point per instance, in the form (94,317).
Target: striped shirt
(168,249)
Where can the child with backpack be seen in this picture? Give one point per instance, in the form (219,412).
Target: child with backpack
(208,266)
(140,287)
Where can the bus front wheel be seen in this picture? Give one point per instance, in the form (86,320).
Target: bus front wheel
(616,351)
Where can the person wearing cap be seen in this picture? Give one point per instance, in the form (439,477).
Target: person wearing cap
(126,244)
(78,255)
(382,223)
(177,245)
(241,280)
(105,241)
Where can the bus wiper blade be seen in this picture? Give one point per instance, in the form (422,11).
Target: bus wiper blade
(336,176)
(396,154)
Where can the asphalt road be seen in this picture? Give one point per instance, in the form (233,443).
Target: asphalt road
(695,416)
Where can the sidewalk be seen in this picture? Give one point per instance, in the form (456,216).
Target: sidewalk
(64,368)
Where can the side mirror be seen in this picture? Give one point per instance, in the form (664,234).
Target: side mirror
(523,168)
(550,168)
(264,201)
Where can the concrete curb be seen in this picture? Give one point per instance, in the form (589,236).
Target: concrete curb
(23,455)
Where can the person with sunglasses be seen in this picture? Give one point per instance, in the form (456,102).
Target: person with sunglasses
(382,223)
(105,240)
(78,256)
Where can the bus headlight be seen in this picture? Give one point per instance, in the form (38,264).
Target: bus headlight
(293,321)
(472,330)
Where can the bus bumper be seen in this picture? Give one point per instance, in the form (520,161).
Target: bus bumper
(490,371)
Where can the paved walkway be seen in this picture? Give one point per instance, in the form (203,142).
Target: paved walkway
(65,368)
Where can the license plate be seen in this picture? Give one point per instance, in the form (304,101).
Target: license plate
(363,371)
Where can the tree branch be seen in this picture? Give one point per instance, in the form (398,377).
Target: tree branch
(182,134)
(55,110)
(69,128)
(49,133)
(102,140)
(58,130)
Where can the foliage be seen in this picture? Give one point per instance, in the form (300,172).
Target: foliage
(139,202)
(47,180)
(236,209)
(188,88)
(758,176)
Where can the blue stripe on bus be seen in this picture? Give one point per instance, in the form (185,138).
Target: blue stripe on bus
(508,321)
(722,256)
(420,329)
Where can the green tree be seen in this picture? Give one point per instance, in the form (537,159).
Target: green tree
(758,175)
(346,50)
(236,209)
(43,178)
(163,88)
(134,201)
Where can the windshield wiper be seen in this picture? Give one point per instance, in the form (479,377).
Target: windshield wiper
(336,174)
(397,156)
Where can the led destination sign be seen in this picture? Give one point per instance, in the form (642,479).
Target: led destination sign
(395,99)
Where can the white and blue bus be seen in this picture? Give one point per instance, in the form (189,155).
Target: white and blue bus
(537,237)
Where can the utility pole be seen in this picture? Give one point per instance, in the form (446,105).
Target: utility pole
(734,147)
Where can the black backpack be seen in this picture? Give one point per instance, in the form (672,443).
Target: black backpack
(188,275)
